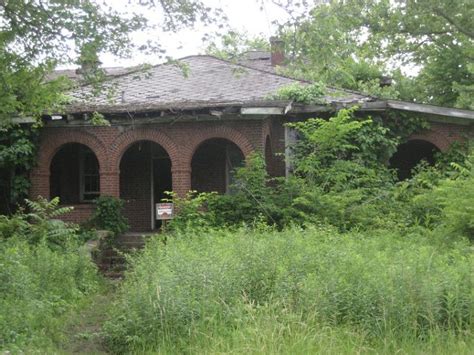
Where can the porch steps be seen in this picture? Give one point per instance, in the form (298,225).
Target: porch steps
(111,261)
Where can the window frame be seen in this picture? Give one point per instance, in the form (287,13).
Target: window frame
(84,151)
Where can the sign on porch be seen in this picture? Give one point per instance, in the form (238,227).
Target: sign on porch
(164,210)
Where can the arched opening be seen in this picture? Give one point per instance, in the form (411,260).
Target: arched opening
(213,165)
(410,154)
(269,157)
(74,174)
(145,175)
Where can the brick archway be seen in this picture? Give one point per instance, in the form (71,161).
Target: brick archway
(50,145)
(227,133)
(438,139)
(127,139)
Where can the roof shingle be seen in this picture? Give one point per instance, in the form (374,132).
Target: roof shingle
(197,79)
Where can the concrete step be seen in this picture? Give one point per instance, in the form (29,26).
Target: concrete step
(109,259)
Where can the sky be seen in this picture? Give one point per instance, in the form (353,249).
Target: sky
(244,16)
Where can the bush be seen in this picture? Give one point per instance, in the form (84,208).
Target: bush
(207,285)
(40,225)
(108,215)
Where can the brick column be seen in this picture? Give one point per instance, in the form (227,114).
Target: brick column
(110,183)
(181,181)
(39,184)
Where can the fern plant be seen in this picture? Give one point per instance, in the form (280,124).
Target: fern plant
(39,224)
(45,225)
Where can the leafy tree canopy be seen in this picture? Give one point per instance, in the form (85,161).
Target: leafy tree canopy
(233,45)
(352,43)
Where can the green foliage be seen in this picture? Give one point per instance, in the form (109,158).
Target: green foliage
(17,152)
(98,119)
(209,285)
(38,285)
(39,225)
(352,44)
(303,94)
(44,272)
(108,215)
(324,142)
(340,177)
(192,211)
(250,200)
(234,44)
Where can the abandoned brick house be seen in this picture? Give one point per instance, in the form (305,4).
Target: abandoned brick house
(178,132)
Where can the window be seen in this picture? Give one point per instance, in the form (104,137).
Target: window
(89,175)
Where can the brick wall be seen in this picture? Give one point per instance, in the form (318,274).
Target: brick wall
(131,181)
(442,135)
(81,213)
(180,140)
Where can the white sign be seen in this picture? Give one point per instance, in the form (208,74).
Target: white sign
(164,210)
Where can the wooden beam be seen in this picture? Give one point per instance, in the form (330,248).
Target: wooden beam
(262,110)
(430,109)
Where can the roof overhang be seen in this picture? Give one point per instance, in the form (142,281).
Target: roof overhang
(431,109)
(284,107)
(261,109)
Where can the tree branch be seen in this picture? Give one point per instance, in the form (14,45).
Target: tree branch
(452,22)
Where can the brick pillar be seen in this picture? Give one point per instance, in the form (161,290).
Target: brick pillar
(181,181)
(39,184)
(110,183)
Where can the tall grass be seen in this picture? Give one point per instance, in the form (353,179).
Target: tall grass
(300,290)
(37,286)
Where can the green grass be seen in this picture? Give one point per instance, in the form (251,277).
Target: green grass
(38,287)
(298,291)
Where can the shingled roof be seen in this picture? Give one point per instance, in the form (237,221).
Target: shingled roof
(196,82)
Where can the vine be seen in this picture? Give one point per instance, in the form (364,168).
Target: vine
(18,146)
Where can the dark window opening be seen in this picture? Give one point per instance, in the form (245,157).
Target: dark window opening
(213,166)
(410,154)
(75,174)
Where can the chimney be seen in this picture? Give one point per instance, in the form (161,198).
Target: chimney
(277,51)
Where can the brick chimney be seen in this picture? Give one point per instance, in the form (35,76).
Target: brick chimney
(277,51)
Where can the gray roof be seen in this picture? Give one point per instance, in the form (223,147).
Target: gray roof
(196,82)
(75,74)
(260,60)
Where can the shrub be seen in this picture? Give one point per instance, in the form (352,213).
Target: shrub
(108,215)
(192,211)
(304,94)
(40,225)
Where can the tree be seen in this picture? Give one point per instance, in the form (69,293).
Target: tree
(436,35)
(234,44)
(352,43)
(38,35)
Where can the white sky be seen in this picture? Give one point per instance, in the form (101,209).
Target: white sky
(244,16)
